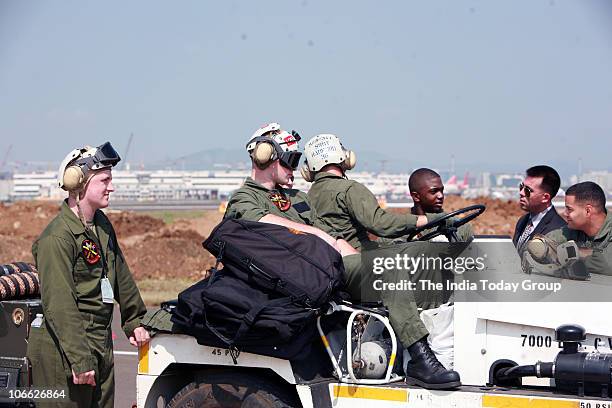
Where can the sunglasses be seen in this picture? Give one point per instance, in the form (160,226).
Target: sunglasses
(528,190)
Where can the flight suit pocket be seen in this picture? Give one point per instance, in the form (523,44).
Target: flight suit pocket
(49,368)
(100,341)
(82,269)
(34,343)
(87,277)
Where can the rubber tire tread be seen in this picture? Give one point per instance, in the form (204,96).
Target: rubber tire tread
(278,397)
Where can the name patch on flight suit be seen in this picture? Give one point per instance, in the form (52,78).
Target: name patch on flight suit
(90,251)
(302,207)
(280,200)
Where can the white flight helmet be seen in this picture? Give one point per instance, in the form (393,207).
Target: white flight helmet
(270,143)
(326,149)
(75,169)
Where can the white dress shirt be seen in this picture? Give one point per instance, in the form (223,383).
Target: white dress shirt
(535,219)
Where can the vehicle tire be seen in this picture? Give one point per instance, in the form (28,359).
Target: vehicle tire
(234,390)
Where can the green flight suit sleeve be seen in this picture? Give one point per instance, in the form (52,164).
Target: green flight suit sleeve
(131,306)
(600,262)
(245,206)
(465,232)
(54,257)
(311,217)
(363,207)
(559,235)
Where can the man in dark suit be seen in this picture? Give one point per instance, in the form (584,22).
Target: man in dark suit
(536,192)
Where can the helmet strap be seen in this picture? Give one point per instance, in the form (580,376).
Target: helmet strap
(76,194)
(79,211)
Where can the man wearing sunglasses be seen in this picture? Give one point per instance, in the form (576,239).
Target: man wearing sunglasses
(536,192)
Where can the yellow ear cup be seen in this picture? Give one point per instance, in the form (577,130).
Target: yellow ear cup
(73,178)
(350,161)
(262,154)
(306,173)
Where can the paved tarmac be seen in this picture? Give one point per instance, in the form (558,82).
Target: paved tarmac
(126,366)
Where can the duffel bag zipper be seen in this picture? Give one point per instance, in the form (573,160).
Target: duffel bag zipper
(277,282)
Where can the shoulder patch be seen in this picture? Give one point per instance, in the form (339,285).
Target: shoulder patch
(281,201)
(91,253)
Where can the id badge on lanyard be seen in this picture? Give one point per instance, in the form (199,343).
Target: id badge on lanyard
(93,254)
(107,290)
(105,285)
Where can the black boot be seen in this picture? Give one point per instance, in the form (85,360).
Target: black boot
(426,371)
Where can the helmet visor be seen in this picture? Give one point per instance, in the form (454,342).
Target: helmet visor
(106,155)
(290,160)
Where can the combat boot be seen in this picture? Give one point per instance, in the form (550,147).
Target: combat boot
(426,371)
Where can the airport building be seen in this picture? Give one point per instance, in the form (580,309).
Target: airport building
(173,185)
(170,185)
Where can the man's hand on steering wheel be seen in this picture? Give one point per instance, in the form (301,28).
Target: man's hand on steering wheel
(447,224)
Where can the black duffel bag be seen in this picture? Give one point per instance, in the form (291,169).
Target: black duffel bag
(224,311)
(290,262)
(266,297)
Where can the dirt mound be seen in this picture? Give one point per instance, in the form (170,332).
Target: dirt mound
(154,249)
(128,223)
(187,234)
(15,249)
(498,219)
(203,224)
(170,253)
(26,219)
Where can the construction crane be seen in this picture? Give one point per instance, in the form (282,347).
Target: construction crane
(6,155)
(127,150)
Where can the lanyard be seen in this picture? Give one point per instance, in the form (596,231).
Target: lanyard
(95,238)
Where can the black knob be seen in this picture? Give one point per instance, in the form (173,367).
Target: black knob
(570,333)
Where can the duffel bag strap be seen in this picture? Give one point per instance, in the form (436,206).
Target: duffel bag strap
(215,269)
(249,318)
(233,350)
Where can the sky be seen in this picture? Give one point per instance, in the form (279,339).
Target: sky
(494,84)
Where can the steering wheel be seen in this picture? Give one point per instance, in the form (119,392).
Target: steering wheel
(449,230)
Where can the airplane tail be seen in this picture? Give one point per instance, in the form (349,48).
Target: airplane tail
(465,183)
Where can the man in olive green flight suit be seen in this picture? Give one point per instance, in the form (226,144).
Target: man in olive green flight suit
(346,206)
(274,156)
(589,225)
(262,197)
(82,272)
(427,193)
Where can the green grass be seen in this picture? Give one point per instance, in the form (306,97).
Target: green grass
(156,291)
(169,217)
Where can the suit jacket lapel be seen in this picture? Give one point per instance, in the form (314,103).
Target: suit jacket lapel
(520,227)
(544,221)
